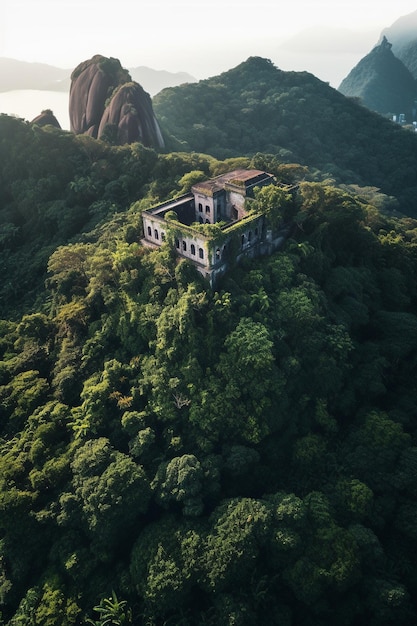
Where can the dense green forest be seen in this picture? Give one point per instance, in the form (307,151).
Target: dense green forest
(255,107)
(177,455)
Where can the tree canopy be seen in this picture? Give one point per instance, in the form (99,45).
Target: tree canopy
(177,454)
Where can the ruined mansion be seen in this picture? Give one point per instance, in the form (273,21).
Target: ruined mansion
(212,226)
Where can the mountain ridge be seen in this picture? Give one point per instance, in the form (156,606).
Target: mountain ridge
(382,78)
(403,36)
(16,74)
(382,82)
(256,107)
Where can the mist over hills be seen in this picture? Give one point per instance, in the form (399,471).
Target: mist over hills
(16,75)
(385,78)
(383,83)
(256,107)
(153,81)
(384,87)
(403,36)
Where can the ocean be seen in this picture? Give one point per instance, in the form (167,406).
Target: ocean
(29,103)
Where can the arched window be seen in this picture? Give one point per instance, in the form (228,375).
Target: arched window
(193,249)
(200,207)
(207,221)
(250,235)
(184,246)
(201,253)
(163,236)
(218,253)
(149,231)
(256,232)
(243,239)
(207,208)
(156,234)
(177,243)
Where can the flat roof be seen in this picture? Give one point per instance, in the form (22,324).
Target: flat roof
(241,178)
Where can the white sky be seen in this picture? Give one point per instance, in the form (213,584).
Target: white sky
(202,38)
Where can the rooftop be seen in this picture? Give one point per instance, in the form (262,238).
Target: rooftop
(240,178)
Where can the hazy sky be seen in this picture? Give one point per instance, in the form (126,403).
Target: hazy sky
(202,38)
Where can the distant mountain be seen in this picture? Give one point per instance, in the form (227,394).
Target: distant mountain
(382,82)
(153,81)
(383,79)
(23,75)
(328,52)
(16,74)
(257,108)
(403,36)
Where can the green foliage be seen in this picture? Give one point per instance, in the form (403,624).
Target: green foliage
(190,179)
(54,185)
(244,454)
(54,606)
(111,490)
(21,396)
(180,480)
(275,203)
(112,612)
(238,530)
(257,108)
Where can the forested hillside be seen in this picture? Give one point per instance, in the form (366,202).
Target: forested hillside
(172,454)
(256,107)
(54,186)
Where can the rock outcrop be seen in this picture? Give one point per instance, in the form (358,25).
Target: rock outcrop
(106,104)
(92,83)
(129,117)
(46,118)
(403,36)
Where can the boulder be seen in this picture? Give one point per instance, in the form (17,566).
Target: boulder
(46,118)
(129,117)
(106,104)
(92,83)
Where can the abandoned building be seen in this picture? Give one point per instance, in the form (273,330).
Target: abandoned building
(219,201)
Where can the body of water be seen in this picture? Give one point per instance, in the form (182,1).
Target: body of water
(29,103)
